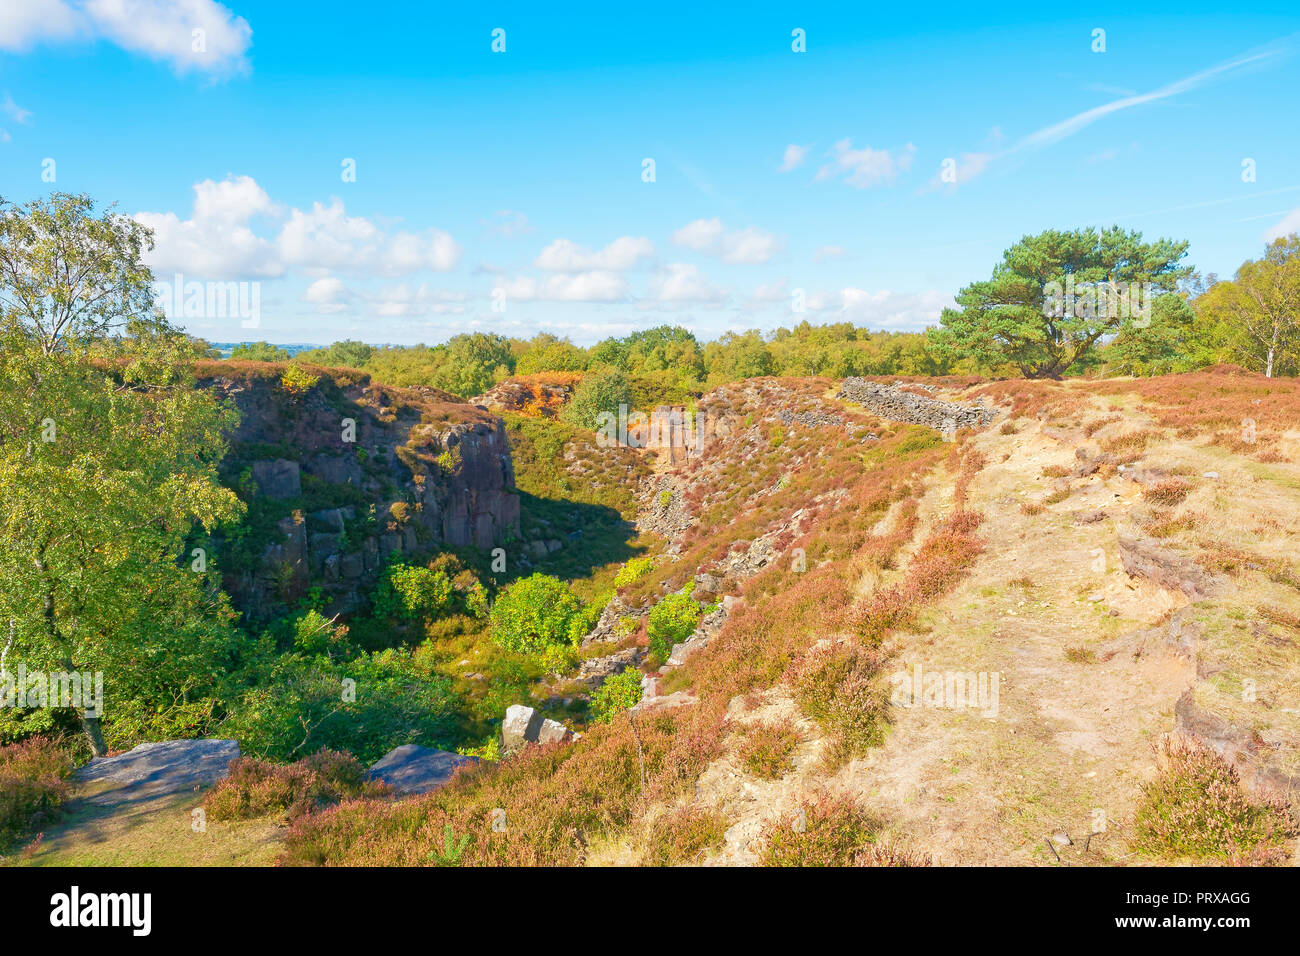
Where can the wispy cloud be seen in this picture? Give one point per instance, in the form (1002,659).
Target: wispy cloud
(866,167)
(794,157)
(1056,132)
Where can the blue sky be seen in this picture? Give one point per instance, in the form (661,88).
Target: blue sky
(505,191)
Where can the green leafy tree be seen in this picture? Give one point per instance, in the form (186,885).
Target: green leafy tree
(259,352)
(536,614)
(346,354)
(598,393)
(1022,316)
(409,592)
(107,466)
(67,277)
(1262,307)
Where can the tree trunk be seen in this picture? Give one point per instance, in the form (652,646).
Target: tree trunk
(90,727)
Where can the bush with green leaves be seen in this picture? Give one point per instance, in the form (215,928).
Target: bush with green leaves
(634,570)
(365,706)
(672,621)
(537,614)
(616,695)
(410,592)
(597,393)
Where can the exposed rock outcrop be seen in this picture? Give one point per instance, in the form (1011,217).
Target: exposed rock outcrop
(405,470)
(165,767)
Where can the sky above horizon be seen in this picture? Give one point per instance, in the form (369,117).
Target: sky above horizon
(509,191)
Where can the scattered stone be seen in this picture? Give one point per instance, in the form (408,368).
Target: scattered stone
(524,725)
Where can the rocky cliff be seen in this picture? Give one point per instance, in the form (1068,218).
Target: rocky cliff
(340,474)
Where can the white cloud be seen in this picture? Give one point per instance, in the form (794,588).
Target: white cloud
(509,223)
(329,295)
(893,311)
(1289,223)
(828,253)
(623,253)
(682,282)
(218,240)
(14,111)
(863,168)
(702,235)
(593,286)
(976,163)
(197,35)
(748,246)
(794,157)
(769,292)
(22,24)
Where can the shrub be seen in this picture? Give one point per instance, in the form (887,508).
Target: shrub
(842,688)
(824,832)
(1197,809)
(313,633)
(536,614)
(616,695)
(684,836)
(1169,493)
(671,621)
(597,394)
(296,380)
(634,570)
(256,788)
(767,749)
(296,697)
(33,785)
(409,592)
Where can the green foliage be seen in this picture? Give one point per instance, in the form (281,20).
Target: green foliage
(259,352)
(408,592)
(1258,311)
(546,353)
(599,393)
(112,430)
(296,704)
(672,621)
(452,850)
(313,633)
(616,695)
(347,354)
(537,614)
(1013,319)
(296,380)
(71,279)
(634,570)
